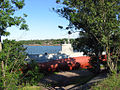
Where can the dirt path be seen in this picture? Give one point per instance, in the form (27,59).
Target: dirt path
(87,86)
(65,80)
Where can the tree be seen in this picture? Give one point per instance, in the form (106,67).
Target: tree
(99,18)
(83,44)
(7,17)
(90,46)
(12,58)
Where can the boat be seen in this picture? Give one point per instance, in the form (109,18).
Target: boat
(66,59)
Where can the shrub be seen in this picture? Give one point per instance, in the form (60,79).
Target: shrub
(31,74)
(11,60)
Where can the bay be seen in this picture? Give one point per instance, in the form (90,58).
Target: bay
(42,49)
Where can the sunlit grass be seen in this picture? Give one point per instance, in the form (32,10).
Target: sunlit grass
(31,88)
(110,83)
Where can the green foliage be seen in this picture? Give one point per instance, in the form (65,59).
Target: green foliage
(31,74)
(99,19)
(11,60)
(88,44)
(7,15)
(31,88)
(110,83)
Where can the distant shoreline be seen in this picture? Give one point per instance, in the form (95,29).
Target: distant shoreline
(42,45)
(47,42)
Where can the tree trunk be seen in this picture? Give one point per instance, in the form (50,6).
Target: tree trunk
(0,43)
(3,75)
(112,65)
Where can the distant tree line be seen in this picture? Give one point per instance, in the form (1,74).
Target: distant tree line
(46,41)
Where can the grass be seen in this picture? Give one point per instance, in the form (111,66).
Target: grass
(31,88)
(110,83)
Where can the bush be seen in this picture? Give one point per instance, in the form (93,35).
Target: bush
(11,60)
(31,74)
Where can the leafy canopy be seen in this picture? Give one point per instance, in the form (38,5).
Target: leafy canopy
(7,15)
(99,19)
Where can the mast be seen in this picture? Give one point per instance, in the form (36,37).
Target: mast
(69,33)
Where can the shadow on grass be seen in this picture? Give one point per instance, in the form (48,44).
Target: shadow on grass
(63,79)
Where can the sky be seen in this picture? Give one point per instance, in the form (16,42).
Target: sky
(42,21)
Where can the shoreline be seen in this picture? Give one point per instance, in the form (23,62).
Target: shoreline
(42,45)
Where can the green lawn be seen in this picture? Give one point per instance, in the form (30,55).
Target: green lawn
(31,88)
(110,83)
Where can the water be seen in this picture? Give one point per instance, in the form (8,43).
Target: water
(42,49)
